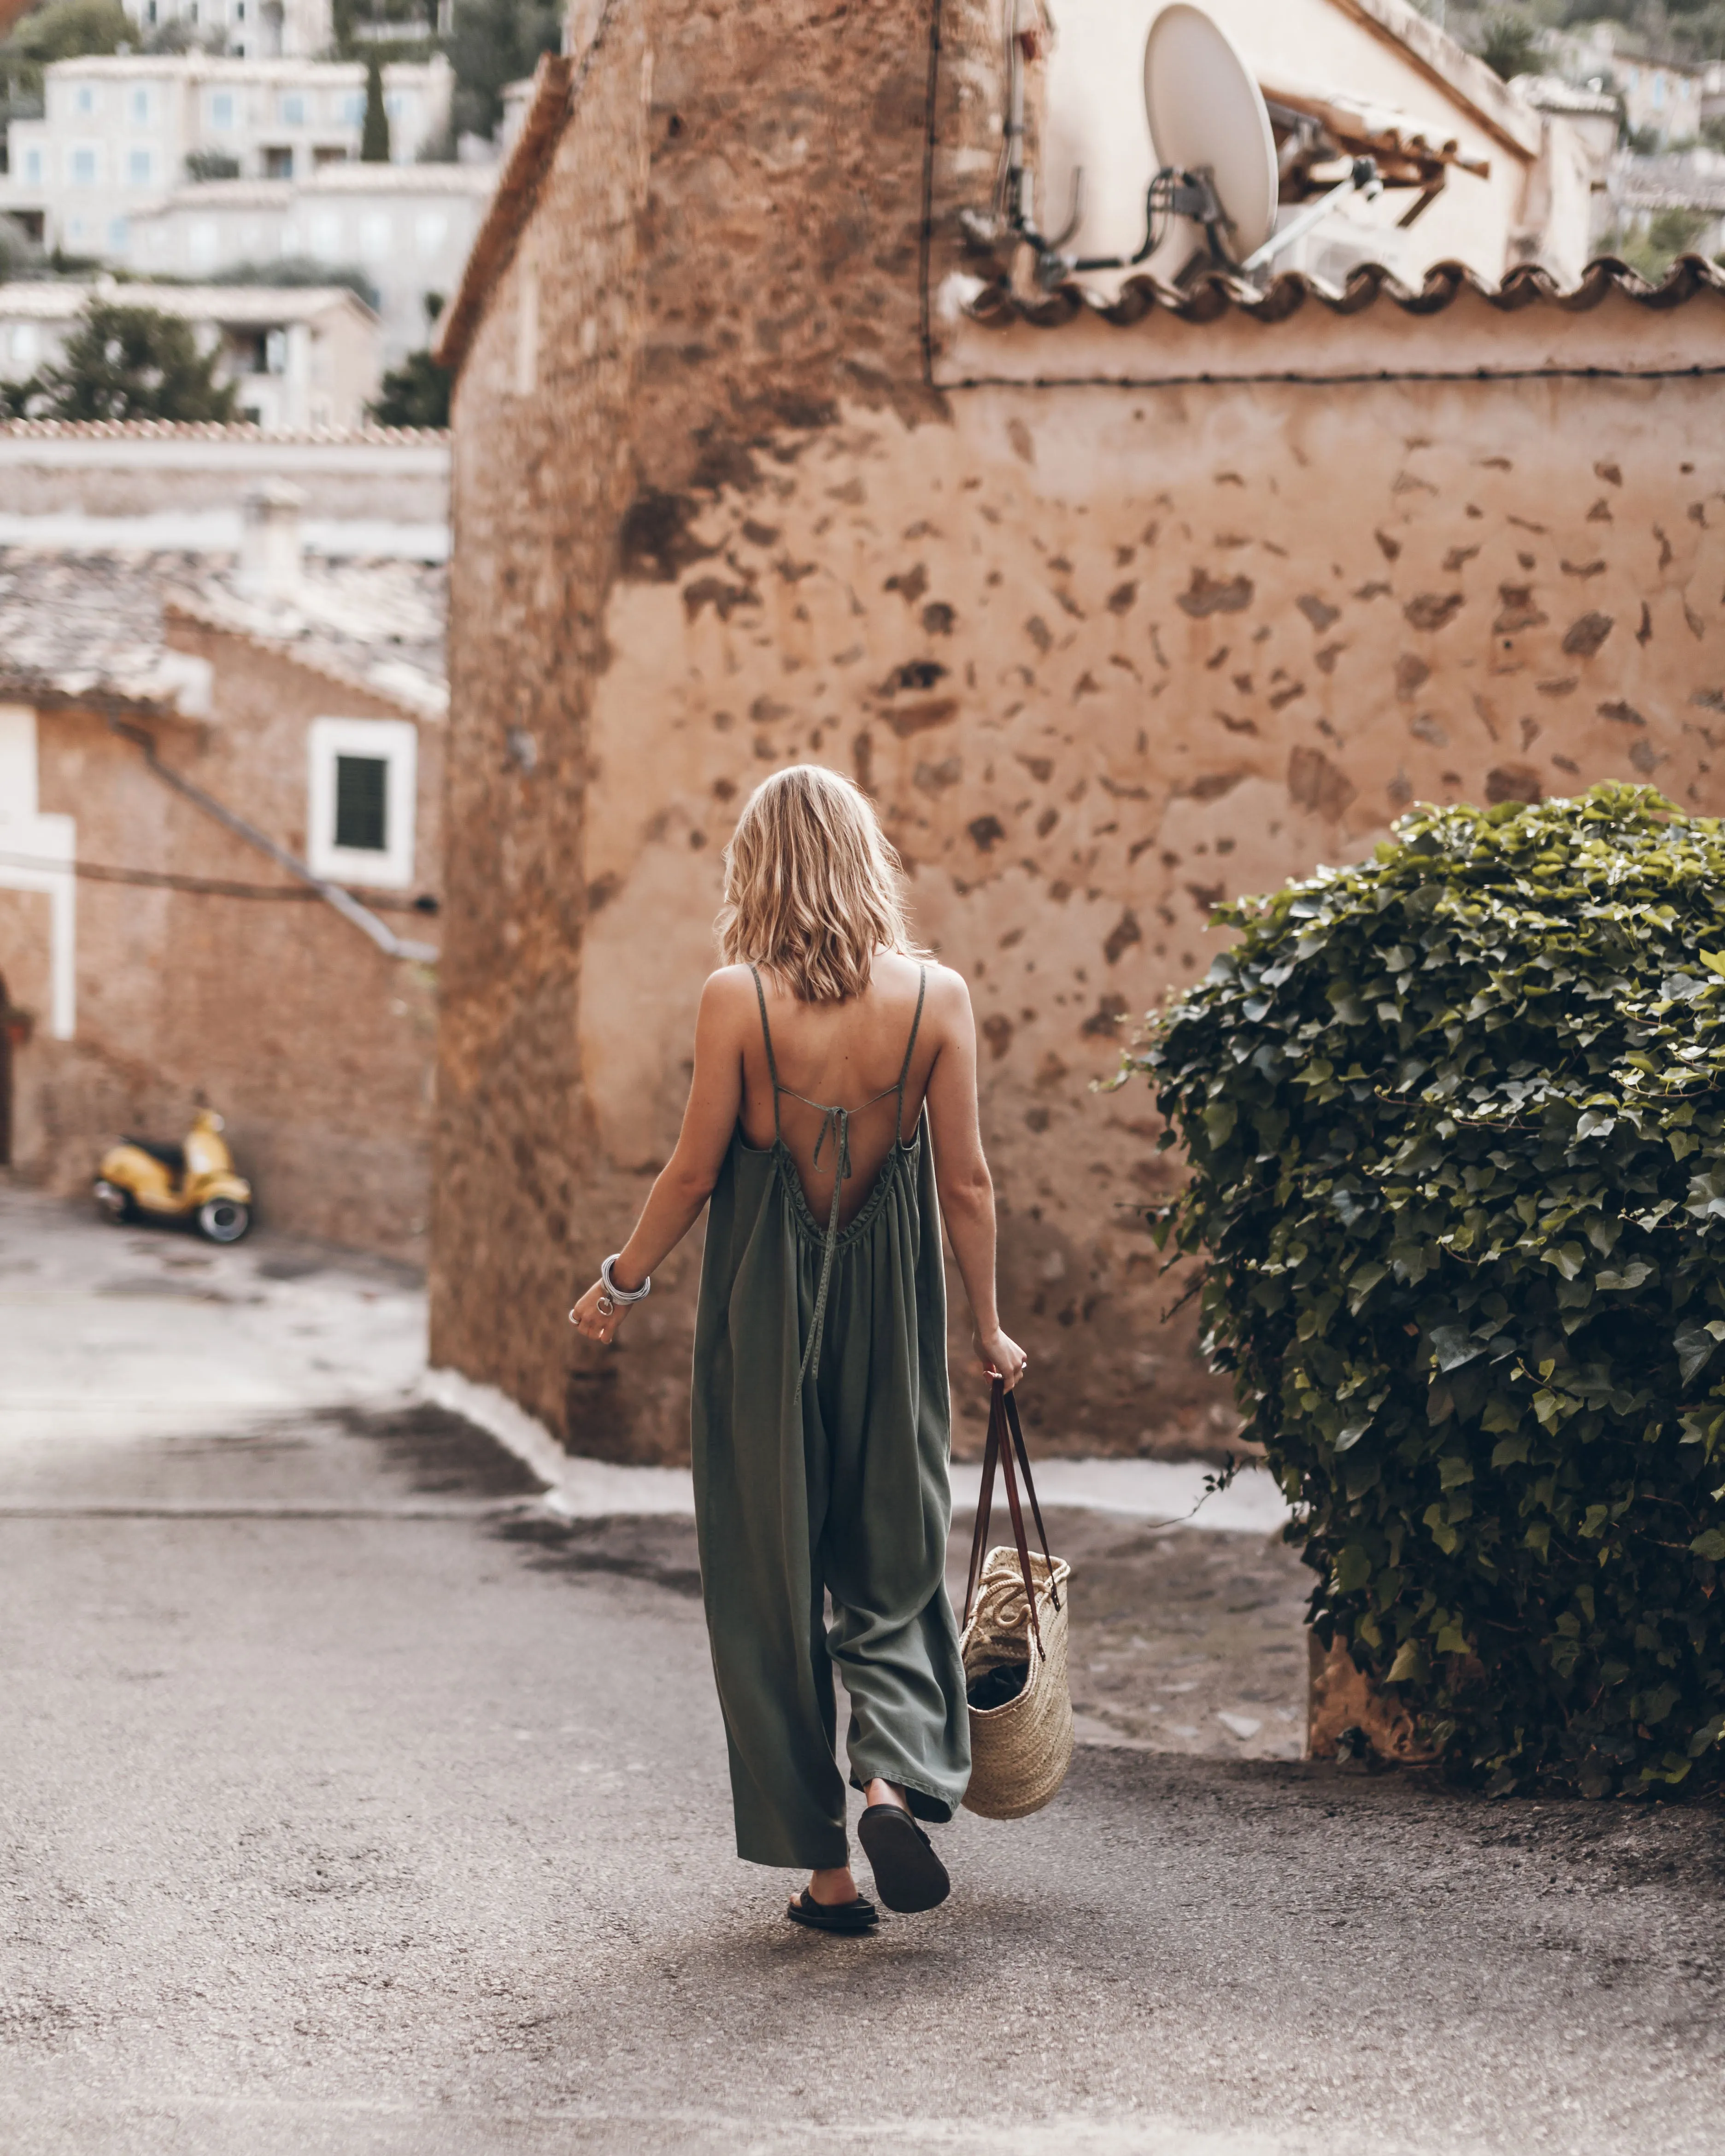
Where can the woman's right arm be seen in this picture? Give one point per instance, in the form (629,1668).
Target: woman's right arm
(961,1173)
(685,1182)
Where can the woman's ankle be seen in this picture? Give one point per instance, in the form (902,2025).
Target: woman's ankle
(832,1885)
(881,1791)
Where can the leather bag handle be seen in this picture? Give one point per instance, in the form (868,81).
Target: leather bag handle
(1006,1438)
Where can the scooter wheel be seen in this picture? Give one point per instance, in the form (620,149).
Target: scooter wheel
(224,1220)
(116,1203)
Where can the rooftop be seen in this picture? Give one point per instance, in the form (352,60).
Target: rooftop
(1213,295)
(236,434)
(91,626)
(1452,326)
(345,175)
(208,67)
(61,300)
(1550,93)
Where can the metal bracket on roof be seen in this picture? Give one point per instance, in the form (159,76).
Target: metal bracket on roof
(349,907)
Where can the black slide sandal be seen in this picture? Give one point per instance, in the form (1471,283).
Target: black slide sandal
(908,1875)
(857,1915)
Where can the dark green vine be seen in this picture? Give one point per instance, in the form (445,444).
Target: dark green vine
(1456,1125)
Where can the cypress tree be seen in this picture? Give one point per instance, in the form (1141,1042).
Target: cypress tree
(374,139)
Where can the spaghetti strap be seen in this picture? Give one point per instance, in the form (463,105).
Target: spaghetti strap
(772,1066)
(904,1074)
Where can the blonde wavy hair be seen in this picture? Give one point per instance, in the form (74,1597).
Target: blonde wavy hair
(812,890)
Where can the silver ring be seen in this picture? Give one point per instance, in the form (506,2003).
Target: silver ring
(605,1307)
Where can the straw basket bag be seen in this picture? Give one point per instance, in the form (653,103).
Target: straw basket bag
(1014,1644)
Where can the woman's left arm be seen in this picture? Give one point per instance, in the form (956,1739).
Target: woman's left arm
(686,1182)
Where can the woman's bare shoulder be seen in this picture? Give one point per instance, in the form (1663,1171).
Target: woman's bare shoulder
(728,994)
(946,1003)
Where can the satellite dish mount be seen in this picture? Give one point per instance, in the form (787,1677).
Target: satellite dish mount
(1210,130)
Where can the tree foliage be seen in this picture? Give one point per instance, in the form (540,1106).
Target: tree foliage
(299,272)
(63,30)
(1455,1122)
(415,394)
(495,42)
(1651,252)
(1509,45)
(126,362)
(1681,30)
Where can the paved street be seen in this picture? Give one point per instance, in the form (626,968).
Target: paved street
(353,1802)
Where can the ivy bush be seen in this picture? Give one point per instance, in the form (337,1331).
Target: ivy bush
(1455,1124)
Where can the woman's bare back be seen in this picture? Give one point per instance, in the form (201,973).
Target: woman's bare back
(840,1055)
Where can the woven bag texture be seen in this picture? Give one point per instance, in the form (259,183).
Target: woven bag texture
(1019,1753)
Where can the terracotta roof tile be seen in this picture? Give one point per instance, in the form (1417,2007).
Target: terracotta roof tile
(210,430)
(90,627)
(1213,295)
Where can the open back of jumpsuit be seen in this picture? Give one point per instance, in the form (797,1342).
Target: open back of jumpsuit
(821,1430)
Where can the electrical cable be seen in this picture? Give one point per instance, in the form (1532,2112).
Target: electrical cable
(197,886)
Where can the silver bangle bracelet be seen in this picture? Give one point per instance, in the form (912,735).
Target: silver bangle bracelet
(623,1294)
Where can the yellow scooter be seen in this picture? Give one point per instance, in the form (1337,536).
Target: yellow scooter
(139,1179)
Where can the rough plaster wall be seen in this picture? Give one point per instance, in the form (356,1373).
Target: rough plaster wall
(1105,657)
(316,1048)
(541,478)
(209,479)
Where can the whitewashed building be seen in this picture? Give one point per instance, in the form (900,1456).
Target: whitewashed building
(1656,95)
(253,29)
(117,132)
(408,227)
(301,359)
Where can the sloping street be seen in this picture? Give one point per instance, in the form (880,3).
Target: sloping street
(354,1801)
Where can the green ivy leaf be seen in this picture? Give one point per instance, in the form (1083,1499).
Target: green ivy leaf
(1410,1666)
(1361,1283)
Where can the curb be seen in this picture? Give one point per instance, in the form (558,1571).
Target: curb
(575,1489)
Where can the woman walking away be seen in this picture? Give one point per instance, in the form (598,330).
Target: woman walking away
(835,1095)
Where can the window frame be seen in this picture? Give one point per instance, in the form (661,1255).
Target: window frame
(395,743)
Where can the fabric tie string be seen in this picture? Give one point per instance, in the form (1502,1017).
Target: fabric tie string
(835,1123)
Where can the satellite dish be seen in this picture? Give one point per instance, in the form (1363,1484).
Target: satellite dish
(1208,115)
(1216,156)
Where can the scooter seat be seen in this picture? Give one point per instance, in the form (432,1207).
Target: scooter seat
(171,1157)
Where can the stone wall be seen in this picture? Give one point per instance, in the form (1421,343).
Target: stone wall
(1104,650)
(51,468)
(316,1048)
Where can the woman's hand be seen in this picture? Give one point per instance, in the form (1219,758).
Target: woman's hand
(590,1322)
(1002,1357)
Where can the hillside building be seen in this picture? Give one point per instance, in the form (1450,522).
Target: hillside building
(408,227)
(249,29)
(119,135)
(305,358)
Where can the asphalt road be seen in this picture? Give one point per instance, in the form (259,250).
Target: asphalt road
(351,1804)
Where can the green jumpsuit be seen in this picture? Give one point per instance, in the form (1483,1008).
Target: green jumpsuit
(821,1430)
